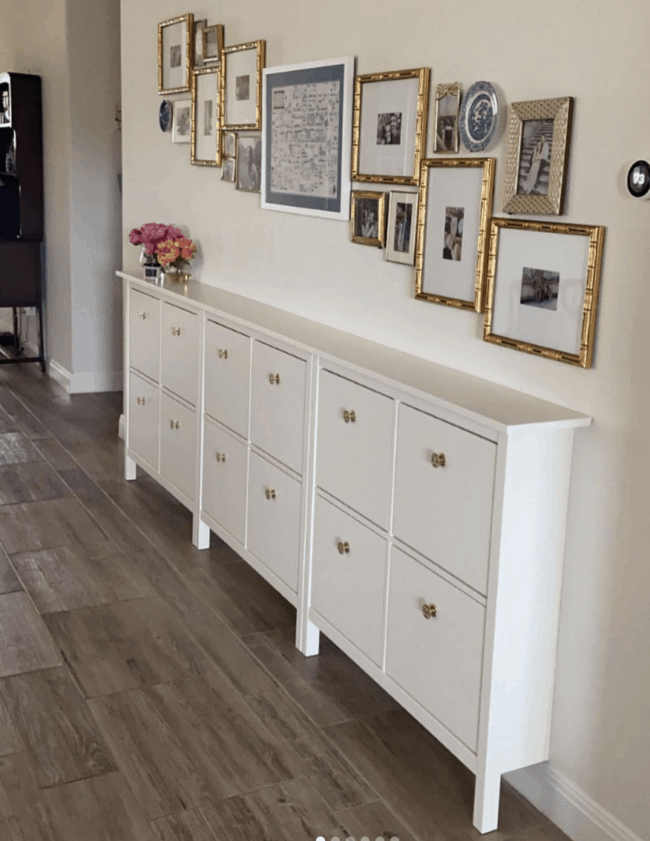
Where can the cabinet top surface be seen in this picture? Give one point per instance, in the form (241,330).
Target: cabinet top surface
(495,405)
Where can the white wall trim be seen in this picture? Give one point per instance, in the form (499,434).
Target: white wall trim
(60,374)
(121,427)
(560,799)
(91,381)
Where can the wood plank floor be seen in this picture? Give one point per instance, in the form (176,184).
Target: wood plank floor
(152,692)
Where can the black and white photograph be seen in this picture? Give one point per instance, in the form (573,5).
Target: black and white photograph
(535,158)
(182,125)
(403,222)
(401,227)
(446,117)
(539,288)
(229,144)
(207,118)
(243,88)
(389,129)
(175,54)
(228,169)
(212,43)
(452,248)
(249,164)
(368,217)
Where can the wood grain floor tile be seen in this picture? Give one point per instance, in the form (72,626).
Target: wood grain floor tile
(291,811)
(83,486)
(121,529)
(7,424)
(549,832)
(186,826)
(25,643)
(71,577)
(374,821)
(321,763)
(55,454)
(45,525)
(16,449)
(9,582)
(114,647)
(57,730)
(9,738)
(30,482)
(21,416)
(22,813)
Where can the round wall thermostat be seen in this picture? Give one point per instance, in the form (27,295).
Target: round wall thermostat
(638,180)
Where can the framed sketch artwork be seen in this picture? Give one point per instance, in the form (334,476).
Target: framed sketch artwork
(368,217)
(249,163)
(306,138)
(390,126)
(242,67)
(543,283)
(536,161)
(229,144)
(228,169)
(401,228)
(213,44)
(175,54)
(198,42)
(446,118)
(453,227)
(206,140)
(182,121)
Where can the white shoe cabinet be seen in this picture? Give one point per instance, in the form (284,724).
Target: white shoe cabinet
(413,513)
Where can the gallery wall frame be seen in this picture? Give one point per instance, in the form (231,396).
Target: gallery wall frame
(453,229)
(175,54)
(401,228)
(182,121)
(542,288)
(446,137)
(213,43)
(297,175)
(249,163)
(241,82)
(368,217)
(390,126)
(539,134)
(206,117)
(199,25)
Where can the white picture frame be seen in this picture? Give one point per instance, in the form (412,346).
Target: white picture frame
(291,182)
(401,230)
(182,121)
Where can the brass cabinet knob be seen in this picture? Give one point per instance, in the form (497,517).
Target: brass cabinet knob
(274,379)
(223,354)
(438,459)
(140,401)
(349,417)
(142,315)
(221,457)
(176,331)
(343,547)
(429,611)
(174,424)
(270,493)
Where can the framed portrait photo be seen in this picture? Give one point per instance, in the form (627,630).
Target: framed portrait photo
(198,42)
(175,54)
(182,121)
(228,169)
(229,144)
(390,126)
(249,163)
(368,218)
(206,122)
(306,138)
(402,227)
(213,44)
(446,138)
(543,283)
(538,151)
(453,228)
(242,67)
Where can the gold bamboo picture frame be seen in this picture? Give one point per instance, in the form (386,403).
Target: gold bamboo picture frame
(241,86)
(368,217)
(445,118)
(206,117)
(213,42)
(539,134)
(452,233)
(389,129)
(175,54)
(542,288)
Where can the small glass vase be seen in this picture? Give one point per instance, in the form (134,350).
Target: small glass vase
(151,266)
(177,273)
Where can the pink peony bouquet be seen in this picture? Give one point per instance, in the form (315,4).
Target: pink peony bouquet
(152,234)
(175,251)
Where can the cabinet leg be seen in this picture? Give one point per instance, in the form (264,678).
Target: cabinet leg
(130,468)
(200,533)
(307,637)
(486,799)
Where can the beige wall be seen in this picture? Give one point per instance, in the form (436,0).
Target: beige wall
(594,51)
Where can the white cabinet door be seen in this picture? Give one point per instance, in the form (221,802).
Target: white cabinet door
(178,444)
(179,351)
(144,334)
(354,446)
(278,404)
(274,519)
(227,376)
(225,469)
(144,419)
(349,578)
(445,512)
(436,660)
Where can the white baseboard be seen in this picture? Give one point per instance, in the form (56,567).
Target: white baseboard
(83,383)
(576,814)
(59,374)
(121,428)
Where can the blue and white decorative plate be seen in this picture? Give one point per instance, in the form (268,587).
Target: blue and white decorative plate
(479,116)
(165,115)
